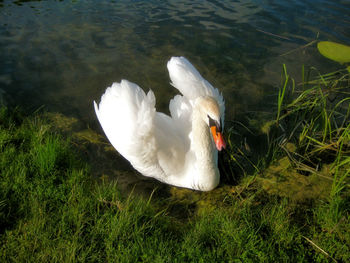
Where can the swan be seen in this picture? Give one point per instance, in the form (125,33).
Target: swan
(180,149)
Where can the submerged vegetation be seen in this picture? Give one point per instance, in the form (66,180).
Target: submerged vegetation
(292,205)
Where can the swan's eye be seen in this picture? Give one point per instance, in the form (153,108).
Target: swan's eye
(219,127)
(213,123)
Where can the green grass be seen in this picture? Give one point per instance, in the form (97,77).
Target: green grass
(316,120)
(291,203)
(308,139)
(51,210)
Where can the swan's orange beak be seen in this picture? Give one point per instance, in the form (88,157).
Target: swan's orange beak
(218,138)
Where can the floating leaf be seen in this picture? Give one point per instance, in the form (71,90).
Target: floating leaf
(334,51)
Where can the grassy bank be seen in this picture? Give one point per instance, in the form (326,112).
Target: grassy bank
(52,210)
(290,203)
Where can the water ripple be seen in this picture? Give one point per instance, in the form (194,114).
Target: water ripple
(54,50)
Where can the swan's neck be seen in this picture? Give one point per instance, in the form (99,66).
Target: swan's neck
(207,174)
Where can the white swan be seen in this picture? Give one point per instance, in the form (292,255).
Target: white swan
(178,149)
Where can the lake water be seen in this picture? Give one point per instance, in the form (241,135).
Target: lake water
(63,54)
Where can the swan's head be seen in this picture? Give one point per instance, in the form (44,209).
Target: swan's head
(210,113)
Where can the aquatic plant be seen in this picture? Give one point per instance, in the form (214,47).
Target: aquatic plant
(334,51)
(308,147)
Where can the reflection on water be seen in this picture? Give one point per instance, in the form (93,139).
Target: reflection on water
(63,54)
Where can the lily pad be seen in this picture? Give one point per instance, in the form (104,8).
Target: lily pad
(334,51)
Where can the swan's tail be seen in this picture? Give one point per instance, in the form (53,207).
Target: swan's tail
(126,115)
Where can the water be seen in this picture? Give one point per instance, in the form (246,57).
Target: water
(63,54)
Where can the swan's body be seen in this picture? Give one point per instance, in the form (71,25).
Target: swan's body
(176,149)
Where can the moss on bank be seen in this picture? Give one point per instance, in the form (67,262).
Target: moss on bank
(53,209)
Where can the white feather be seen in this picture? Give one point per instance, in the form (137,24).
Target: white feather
(186,78)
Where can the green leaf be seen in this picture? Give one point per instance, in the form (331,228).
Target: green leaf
(334,51)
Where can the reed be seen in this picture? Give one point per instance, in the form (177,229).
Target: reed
(319,113)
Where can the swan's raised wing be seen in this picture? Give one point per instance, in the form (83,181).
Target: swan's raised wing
(149,140)
(191,84)
(123,110)
(127,116)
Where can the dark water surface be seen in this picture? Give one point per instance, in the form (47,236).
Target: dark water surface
(63,54)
